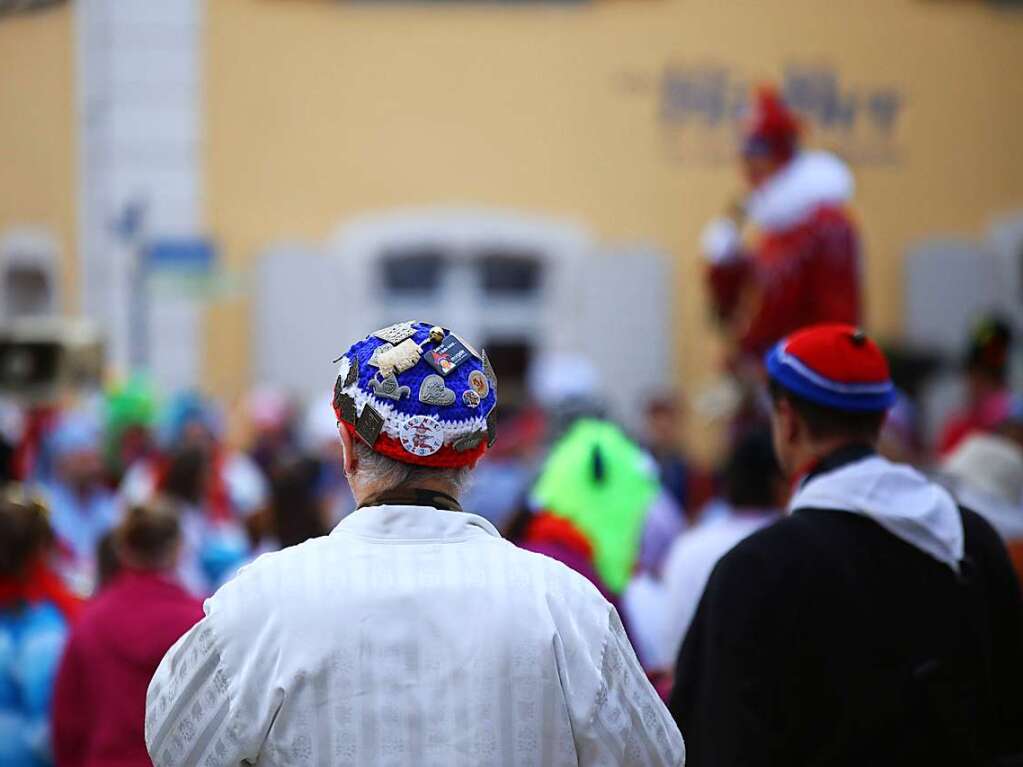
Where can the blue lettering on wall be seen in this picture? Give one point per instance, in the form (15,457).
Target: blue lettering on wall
(701,108)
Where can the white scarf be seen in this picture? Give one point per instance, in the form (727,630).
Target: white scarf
(810,180)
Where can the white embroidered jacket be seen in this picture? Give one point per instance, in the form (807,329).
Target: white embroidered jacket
(409,636)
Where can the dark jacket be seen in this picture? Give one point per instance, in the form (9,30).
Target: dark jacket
(99,702)
(826,640)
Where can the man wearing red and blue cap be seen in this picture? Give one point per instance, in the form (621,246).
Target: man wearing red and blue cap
(413,634)
(878,623)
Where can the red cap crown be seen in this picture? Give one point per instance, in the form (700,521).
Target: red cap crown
(841,353)
(836,366)
(771,128)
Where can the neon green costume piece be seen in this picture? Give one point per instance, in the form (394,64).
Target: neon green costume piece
(133,403)
(602,482)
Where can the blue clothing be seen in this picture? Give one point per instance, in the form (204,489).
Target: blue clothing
(79,524)
(32,639)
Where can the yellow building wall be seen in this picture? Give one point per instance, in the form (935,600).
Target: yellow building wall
(317,111)
(38,173)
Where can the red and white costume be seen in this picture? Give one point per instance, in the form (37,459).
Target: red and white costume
(804,268)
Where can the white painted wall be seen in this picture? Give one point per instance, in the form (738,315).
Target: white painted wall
(626,327)
(949,283)
(612,305)
(1005,240)
(298,323)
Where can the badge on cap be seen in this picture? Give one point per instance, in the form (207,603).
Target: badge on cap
(468,441)
(432,391)
(397,359)
(422,435)
(346,407)
(492,427)
(448,355)
(351,371)
(338,386)
(470,398)
(389,388)
(369,424)
(479,384)
(488,370)
(469,346)
(397,332)
(374,358)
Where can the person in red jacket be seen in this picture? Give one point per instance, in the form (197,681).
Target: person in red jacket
(123,633)
(989,398)
(804,268)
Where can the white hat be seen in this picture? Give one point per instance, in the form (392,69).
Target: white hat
(986,472)
(991,464)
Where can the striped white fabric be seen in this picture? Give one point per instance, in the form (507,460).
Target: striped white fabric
(409,636)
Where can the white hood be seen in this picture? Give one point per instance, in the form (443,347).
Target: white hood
(811,180)
(900,499)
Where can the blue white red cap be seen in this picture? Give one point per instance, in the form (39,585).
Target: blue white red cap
(419,394)
(835,366)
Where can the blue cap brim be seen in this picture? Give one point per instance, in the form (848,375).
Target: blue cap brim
(863,398)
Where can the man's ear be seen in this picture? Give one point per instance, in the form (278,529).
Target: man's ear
(348,460)
(788,422)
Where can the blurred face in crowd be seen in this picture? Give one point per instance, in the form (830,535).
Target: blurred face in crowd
(195,434)
(24,535)
(982,383)
(188,475)
(757,168)
(662,425)
(136,443)
(81,469)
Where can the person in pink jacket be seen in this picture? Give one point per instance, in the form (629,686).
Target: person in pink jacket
(113,651)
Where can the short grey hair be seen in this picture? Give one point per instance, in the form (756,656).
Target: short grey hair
(385,473)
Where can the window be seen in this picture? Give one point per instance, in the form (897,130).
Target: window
(510,274)
(28,269)
(412,272)
(27,291)
(512,358)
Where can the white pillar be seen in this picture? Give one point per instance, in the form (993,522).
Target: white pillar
(139,94)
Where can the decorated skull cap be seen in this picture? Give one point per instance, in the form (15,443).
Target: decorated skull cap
(419,394)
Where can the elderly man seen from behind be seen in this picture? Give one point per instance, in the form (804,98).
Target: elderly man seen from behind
(412,634)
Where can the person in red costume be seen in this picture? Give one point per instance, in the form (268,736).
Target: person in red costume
(804,267)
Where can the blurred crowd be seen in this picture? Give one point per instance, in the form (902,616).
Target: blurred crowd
(119,515)
(120,512)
